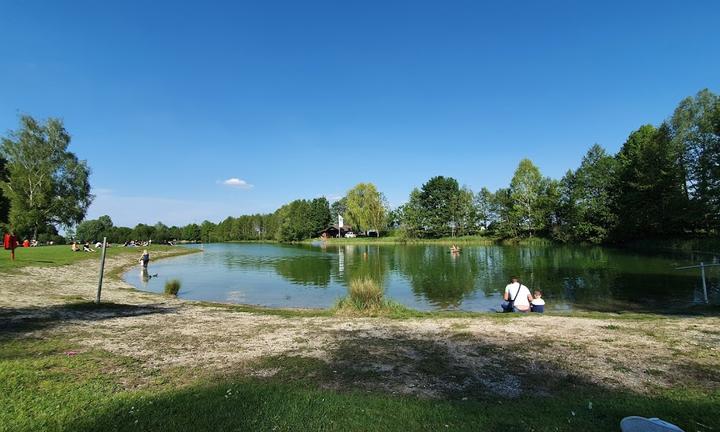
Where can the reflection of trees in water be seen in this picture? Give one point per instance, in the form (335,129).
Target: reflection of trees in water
(441,278)
(363,261)
(592,277)
(306,270)
(561,273)
(297,264)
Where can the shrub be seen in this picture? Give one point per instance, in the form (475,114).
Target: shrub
(172,287)
(365,293)
(365,298)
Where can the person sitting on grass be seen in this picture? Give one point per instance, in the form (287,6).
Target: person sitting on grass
(75,247)
(517,297)
(537,304)
(87,248)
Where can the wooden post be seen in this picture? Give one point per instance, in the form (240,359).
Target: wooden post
(102,268)
(702,273)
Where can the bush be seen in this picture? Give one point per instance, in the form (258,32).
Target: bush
(365,293)
(365,298)
(172,287)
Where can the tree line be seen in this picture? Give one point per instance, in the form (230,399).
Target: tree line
(664,181)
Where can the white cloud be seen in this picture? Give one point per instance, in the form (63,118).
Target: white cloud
(237,183)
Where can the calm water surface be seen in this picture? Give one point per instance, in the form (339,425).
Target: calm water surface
(428,277)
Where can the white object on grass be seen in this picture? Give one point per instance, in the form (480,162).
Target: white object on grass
(642,424)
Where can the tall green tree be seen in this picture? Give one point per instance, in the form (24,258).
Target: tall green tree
(366,208)
(320,214)
(503,224)
(650,185)
(695,128)
(206,231)
(46,184)
(95,229)
(588,198)
(295,221)
(338,208)
(464,216)
(439,199)
(483,203)
(526,192)
(161,233)
(143,232)
(410,215)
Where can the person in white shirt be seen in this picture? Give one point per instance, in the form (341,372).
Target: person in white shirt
(517,297)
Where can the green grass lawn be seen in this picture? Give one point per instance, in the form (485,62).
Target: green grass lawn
(44,388)
(44,256)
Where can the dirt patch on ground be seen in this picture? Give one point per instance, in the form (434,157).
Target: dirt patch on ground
(428,357)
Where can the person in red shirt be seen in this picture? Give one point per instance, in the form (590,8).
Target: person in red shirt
(26,243)
(10,243)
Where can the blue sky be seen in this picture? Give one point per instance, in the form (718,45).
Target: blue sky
(300,99)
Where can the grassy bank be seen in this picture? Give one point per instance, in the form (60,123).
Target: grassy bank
(49,256)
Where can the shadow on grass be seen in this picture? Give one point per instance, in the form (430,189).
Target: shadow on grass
(269,406)
(362,387)
(368,382)
(20,320)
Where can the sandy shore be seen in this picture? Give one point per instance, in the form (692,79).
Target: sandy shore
(426,357)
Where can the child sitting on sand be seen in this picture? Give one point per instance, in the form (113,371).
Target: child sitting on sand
(537,304)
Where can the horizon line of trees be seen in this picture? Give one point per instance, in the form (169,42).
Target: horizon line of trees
(664,181)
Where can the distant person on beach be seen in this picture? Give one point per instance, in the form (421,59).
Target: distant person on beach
(10,243)
(537,304)
(517,297)
(145,259)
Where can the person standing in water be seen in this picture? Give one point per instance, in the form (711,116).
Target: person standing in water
(145,258)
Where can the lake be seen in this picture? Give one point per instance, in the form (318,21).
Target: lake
(428,277)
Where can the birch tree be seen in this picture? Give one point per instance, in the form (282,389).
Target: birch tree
(45,183)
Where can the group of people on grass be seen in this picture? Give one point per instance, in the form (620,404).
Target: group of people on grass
(518,298)
(84,247)
(137,243)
